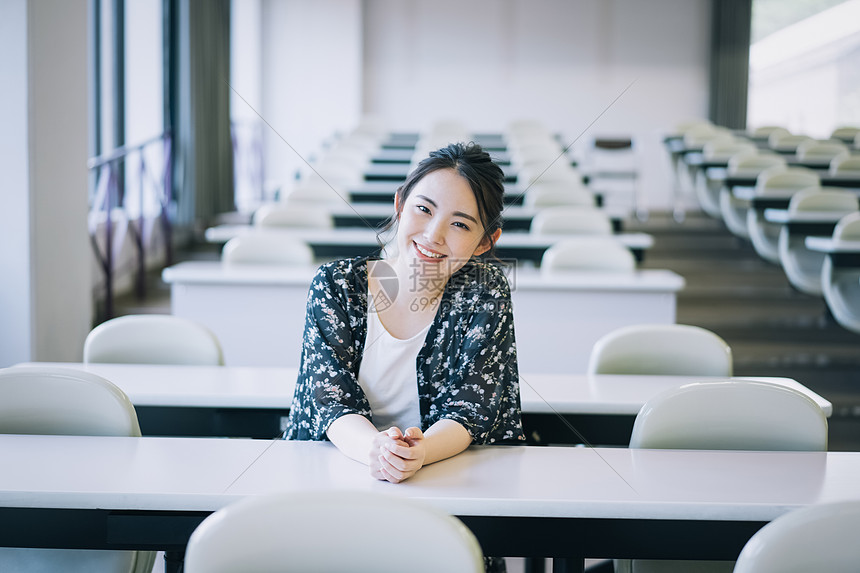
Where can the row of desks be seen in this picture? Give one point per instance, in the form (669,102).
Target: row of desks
(254,402)
(258,312)
(343,242)
(150,493)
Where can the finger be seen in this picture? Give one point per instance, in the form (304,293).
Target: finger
(396,461)
(394,432)
(402,450)
(390,471)
(414,433)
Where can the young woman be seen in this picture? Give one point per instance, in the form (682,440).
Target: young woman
(409,359)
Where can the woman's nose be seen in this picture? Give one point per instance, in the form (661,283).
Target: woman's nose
(434,232)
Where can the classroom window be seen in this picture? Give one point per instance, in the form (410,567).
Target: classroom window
(803,65)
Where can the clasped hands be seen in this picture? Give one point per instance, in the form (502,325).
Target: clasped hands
(396,456)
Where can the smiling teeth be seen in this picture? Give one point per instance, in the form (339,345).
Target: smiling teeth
(427,253)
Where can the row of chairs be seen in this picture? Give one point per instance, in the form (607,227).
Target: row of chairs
(809,271)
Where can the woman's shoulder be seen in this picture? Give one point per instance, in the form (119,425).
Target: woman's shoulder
(349,270)
(480,277)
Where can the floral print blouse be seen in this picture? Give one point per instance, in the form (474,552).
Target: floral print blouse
(466,369)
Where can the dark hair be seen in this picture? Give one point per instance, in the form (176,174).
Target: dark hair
(473,164)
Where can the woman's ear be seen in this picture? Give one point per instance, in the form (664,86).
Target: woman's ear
(397,204)
(486,243)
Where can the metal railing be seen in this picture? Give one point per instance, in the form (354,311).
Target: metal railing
(109,199)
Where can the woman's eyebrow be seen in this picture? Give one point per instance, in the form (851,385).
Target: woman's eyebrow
(456,213)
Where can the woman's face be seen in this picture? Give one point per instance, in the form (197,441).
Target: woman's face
(439,227)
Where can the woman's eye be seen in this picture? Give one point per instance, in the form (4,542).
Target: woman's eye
(461,225)
(423,209)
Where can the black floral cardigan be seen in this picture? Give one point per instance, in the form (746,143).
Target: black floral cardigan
(466,369)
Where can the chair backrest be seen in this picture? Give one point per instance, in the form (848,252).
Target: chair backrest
(588,254)
(731,415)
(293,213)
(62,401)
(820,537)
(571,221)
(768,130)
(557,194)
(785,142)
(814,149)
(671,349)
(845,132)
(249,536)
(753,162)
(845,164)
(315,191)
(544,171)
(152,339)
(848,228)
(823,199)
(779,180)
(266,249)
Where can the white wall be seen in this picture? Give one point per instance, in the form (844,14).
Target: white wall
(311,77)
(487,62)
(45,296)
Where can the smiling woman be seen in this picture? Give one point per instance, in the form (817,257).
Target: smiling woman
(410,358)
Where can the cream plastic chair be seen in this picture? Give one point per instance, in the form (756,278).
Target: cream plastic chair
(707,190)
(765,131)
(725,415)
(571,221)
(553,170)
(841,285)
(152,339)
(777,182)
(785,143)
(733,210)
(294,215)
(316,191)
(845,133)
(266,249)
(605,254)
(819,537)
(829,150)
(845,165)
(670,349)
(802,266)
(330,531)
(558,194)
(731,415)
(58,401)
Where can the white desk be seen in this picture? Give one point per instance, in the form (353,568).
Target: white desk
(804,217)
(258,312)
(560,502)
(832,246)
(350,242)
(169,399)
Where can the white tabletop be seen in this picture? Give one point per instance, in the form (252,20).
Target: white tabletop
(362,237)
(830,245)
(216,273)
(785,216)
(610,483)
(247,387)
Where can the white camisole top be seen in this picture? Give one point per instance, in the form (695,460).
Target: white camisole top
(388,375)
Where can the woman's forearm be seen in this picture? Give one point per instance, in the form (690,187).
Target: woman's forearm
(353,435)
(444,439)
